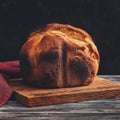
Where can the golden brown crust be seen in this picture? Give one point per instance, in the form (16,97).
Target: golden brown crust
(77,57)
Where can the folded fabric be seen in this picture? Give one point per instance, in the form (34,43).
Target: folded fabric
(5,90)
(9,69)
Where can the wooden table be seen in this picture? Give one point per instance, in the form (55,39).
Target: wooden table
(107,109)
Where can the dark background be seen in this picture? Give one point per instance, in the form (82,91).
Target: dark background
(100,18)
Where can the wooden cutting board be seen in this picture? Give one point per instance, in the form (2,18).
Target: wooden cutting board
(99,89)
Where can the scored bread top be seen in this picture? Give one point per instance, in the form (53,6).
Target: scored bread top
(79,46)
(73,34)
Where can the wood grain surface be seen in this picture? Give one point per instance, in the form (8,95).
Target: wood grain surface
(107,109)
(99,89)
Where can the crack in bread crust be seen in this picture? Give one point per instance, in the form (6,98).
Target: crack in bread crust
(71,43)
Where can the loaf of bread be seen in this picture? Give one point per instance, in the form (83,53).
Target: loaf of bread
(59,55)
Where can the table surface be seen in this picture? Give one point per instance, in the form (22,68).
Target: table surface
(107,109)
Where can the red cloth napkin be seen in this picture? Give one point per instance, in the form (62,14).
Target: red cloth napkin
(9,69)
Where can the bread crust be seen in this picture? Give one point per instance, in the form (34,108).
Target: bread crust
(72,58)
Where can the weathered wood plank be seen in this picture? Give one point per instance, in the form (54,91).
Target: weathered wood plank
(98,109)
(111,77)
(107,109)
(63,116)
(96,106)
(99,89)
